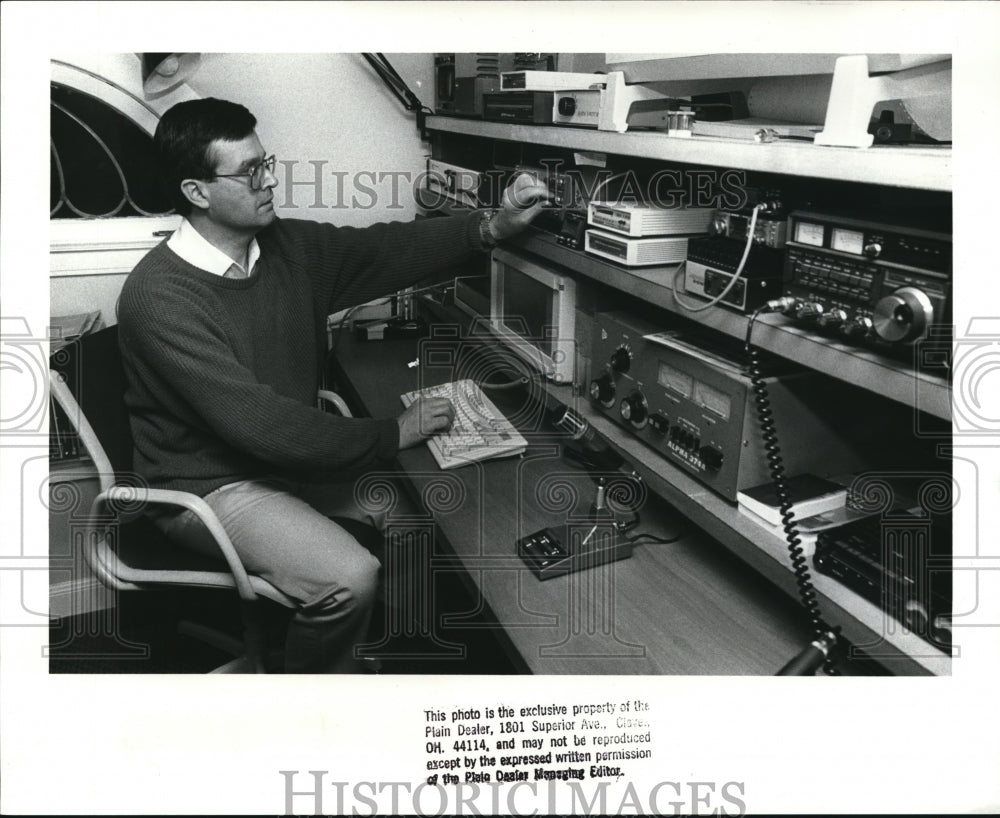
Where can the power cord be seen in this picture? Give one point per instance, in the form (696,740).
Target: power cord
(734,277)
(825,637)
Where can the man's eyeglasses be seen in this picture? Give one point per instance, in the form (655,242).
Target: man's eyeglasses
(254,173)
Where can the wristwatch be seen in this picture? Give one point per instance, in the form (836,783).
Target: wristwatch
(485,236)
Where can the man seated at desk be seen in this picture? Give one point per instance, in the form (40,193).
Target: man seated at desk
(222,332)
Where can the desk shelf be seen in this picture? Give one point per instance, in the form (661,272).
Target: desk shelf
(894,379)
(924,167)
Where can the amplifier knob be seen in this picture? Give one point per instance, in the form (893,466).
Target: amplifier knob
(718,227)
(808,309)
(903,315)
(602,389)
(832,319)
(633,409)
(567,106)
(873,250)
(621,361)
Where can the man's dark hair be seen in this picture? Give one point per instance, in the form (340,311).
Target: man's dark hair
(183,137)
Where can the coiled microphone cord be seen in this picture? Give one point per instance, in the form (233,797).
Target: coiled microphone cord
(807,593)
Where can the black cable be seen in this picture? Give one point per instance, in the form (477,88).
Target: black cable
(652,539)
(807,593)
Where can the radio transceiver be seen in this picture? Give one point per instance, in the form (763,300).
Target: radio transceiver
(694,406)
(638,220)
(866,283)
(632,252)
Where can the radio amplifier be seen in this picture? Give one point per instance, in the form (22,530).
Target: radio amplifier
(694,405)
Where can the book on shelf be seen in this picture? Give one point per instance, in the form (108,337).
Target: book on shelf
(810,495)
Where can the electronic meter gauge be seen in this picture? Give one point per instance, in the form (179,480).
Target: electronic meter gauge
(712,399)
(809,233)
(848,241)
(672,378)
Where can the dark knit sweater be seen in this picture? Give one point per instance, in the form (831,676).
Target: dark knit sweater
(223,373)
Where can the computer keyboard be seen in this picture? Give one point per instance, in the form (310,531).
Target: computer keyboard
(480,430)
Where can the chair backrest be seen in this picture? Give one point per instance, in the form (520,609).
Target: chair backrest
(88,383)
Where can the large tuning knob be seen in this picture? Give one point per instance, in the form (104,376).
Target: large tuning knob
(903,315)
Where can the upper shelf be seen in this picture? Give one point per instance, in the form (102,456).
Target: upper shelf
(923,167)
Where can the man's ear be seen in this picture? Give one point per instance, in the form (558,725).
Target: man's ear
(195,191)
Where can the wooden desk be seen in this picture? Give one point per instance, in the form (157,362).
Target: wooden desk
(689,607)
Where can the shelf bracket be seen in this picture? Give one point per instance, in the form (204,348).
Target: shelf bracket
(618,98)
(926,92)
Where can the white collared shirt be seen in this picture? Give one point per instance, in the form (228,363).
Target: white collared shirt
(195,249)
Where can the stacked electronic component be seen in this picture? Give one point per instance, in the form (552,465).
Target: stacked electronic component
(640,235)
(712,261)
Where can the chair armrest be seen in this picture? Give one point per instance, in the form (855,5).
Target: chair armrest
(133,495)
(336,400)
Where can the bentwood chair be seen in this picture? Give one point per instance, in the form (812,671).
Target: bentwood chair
(129,554)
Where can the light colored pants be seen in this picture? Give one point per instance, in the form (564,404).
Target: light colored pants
(282,533)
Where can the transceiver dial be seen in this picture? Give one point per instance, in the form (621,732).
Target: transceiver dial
(602,389)
(633,409)
(873,250)
(621,360)
(903,315)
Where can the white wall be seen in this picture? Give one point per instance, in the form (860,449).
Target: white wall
(326,111)
(329,112)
